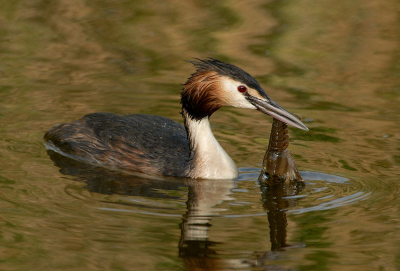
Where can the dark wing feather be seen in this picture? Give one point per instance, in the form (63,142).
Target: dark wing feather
(145,143)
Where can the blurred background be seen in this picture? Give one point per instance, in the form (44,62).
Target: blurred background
(335,63)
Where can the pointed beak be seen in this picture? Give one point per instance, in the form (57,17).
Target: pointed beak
(273,109)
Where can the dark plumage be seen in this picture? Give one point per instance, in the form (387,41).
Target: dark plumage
(227,69)
(116,141)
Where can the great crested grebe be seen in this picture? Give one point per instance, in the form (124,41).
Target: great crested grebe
(157,145)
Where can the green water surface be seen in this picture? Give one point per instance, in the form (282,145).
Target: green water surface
(335,63)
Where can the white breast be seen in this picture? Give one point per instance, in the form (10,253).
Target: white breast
(209,160)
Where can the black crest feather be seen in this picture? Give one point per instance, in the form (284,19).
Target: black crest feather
(226,69)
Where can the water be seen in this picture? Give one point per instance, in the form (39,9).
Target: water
(334,63)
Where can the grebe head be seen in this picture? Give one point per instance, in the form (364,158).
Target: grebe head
(216,84)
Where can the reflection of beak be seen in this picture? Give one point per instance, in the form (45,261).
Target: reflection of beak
(273,109)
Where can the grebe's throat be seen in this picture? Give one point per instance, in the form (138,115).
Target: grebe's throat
(208,159)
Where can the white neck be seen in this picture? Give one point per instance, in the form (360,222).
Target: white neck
(208,158)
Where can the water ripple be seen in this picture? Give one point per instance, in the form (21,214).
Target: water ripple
(242,197)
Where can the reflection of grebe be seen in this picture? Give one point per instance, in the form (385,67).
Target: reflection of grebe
(157,145)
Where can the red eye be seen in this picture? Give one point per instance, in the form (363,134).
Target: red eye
(242,89)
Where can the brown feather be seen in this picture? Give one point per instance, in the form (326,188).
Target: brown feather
(201,94)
